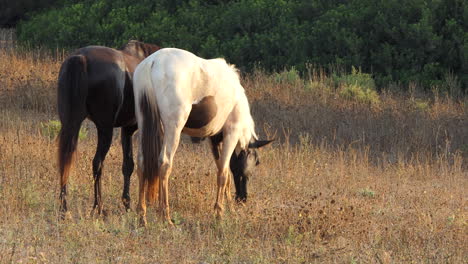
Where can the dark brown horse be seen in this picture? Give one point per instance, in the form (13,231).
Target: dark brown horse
(95,82)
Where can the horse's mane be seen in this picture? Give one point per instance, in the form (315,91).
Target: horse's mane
(234,73)
(130,43)
(231,67)
(235,70)
(135,47)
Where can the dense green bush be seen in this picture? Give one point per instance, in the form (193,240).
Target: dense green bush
(420,41)
(12,11)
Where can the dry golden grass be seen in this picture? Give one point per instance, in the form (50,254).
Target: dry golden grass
(345,182)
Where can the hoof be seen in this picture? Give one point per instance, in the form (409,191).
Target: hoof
(241,204)
(218,211)
(241,201)
(126,203)
(96,212)
(170,223)
(143,222)
(232,209)
(167,219)
(218,215)
(66,216)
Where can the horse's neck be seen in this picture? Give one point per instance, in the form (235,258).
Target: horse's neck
(149,49)
(139,50)
(133,52)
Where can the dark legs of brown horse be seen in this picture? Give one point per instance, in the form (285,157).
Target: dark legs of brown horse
(63,201)
(128,164)
(104,142)
(68,139)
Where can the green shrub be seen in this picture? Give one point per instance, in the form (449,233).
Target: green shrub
(51,130)
(356,93)
(357,86)
(290,76)
(366,192)
(421,105)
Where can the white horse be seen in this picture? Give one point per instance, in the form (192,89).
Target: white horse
(175,92)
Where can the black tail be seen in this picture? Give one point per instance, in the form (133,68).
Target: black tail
(151,144)
(71,101)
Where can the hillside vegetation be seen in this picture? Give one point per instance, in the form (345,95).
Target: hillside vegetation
(400,42)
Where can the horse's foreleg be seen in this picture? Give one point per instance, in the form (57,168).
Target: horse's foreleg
(224,173)
(128,164)
(104,142)
(222,180)
(228,189)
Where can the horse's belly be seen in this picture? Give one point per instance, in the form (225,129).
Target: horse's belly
(205,131)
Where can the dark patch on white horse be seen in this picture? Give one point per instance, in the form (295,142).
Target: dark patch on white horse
(202,113)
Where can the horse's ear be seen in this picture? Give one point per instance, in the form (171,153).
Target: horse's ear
(260,143)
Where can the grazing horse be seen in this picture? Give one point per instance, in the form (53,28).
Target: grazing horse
(95,82)
(175,92)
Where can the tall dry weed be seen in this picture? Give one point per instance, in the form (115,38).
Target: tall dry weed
(28,79)
(395,127)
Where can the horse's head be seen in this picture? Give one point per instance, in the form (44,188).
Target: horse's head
(243,165)
(139,49)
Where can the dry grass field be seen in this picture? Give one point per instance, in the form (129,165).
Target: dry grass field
(346,181)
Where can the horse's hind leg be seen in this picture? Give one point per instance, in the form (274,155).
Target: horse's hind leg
(141,207)
(171,140)
(63,202)
(104,142)
(68,140)
(128,164)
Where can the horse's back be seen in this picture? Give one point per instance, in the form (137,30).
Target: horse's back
(204,91)
(174,65)
(103,63)
(192,76)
